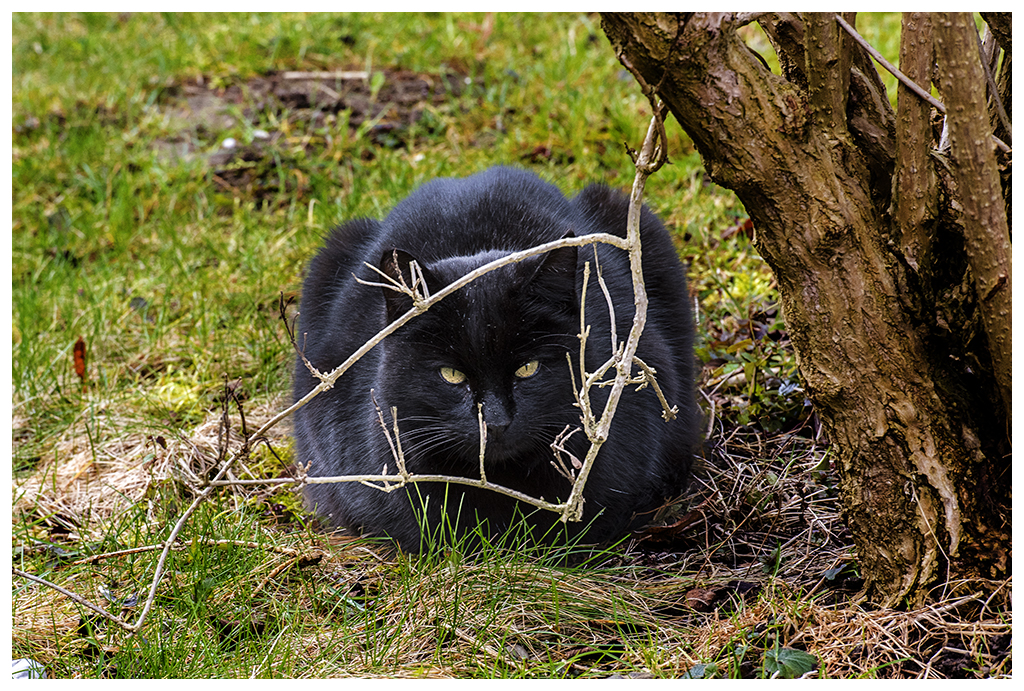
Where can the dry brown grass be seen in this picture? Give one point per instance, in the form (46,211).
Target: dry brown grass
(751,559)
(86,480)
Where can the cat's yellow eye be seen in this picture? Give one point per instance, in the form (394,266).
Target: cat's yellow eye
(528,370)
(452,376)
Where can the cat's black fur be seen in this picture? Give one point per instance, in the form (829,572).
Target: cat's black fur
(488,330)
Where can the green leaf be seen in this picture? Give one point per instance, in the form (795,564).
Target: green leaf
(831,574)
(789,663)
(700,671)
(376,82)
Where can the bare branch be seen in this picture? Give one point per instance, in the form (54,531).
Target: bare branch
(327,380)
(399,460)
(652,156)
(418,291)
(558,446)
(215,543)
(607,299)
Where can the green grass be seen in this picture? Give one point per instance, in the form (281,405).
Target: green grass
(171,279)
(171,282)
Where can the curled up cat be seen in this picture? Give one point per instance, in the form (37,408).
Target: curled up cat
(501,343)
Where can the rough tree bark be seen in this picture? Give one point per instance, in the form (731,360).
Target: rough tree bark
(891,255)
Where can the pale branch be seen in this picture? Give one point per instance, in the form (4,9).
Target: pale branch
(217,543)
(607,299)
(558,447)
(904,79)
(419,281)
(596,378)
(400,459)
(418,291)
(395,451)
(295,557)
(400,481)
(169,542)
(390,483)
(583,394)
(387,483)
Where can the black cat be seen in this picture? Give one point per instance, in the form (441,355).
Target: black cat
(501,341)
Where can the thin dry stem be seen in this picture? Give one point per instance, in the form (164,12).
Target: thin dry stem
(608,300)
(327,380)
(669,412)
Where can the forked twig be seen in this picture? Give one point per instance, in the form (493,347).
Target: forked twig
(327,380)
(668,412)
(558,447)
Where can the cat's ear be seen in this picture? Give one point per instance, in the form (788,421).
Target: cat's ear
(397,265)
(555,277)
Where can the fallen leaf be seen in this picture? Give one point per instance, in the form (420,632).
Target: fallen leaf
(745,226)
(79,354)
(702,599)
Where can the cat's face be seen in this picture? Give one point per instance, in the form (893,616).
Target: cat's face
(499,343)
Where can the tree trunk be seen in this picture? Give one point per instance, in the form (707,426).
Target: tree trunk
(897,301)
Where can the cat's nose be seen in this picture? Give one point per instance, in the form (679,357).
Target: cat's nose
(496,416)
(495,432)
